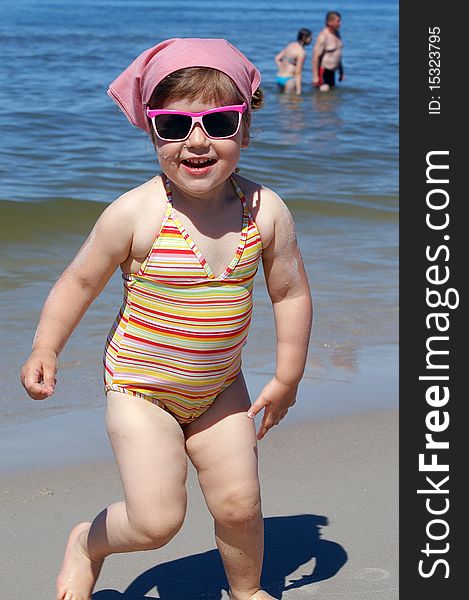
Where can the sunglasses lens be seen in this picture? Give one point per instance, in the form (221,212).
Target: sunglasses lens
(221,124)
(173,127)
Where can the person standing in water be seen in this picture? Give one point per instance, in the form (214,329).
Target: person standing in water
(327,54)
(290,63)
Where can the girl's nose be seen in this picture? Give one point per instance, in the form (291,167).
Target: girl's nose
(197,137)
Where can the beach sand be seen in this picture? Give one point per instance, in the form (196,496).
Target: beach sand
(330,502)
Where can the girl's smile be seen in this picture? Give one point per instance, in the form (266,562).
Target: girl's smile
(198,167)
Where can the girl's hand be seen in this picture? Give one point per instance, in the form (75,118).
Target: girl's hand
(276,398)
(38,374)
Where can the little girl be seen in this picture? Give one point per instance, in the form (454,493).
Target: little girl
(188,242)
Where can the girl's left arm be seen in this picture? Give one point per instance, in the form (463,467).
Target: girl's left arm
(288,288)
(299,73)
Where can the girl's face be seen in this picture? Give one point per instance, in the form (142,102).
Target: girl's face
(200,164)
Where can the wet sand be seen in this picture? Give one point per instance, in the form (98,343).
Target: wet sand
(330,501)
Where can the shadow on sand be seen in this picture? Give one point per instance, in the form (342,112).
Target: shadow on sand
(290,542)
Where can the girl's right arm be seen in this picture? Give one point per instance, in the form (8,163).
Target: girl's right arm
(107,246)
(278,58)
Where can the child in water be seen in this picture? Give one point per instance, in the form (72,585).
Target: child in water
(188,242)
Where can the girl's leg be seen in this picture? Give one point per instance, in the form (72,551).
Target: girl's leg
(222,445)
(150,452)
(290,86)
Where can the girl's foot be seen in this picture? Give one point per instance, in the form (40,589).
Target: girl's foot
(79,573)
(260,595)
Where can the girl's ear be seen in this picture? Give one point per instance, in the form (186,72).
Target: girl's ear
(245,139)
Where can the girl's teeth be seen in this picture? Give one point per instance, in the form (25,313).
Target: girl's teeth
(198,163)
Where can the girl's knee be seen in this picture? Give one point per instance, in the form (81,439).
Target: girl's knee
(154,529)
(237,507)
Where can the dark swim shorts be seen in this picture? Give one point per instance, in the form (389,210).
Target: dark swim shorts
(326,76)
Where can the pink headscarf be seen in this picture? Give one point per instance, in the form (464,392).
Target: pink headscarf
(133,87)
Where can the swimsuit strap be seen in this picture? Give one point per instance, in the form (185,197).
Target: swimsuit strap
(169,193)
(242,197)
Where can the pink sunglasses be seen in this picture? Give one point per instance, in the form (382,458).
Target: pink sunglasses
(217,123)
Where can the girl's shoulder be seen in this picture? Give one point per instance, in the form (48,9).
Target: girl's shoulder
(265,205)
(259,197)
(142,204)
(142,210)
(294,47)
(149,196)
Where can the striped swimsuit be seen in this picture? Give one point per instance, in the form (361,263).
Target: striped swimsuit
(177,338)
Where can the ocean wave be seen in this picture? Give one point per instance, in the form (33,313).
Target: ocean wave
(36,220)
